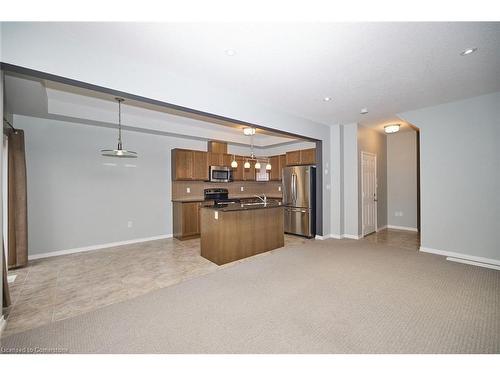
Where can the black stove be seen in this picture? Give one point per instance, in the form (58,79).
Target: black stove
(220,196)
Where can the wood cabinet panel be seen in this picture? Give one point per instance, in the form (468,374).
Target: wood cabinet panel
(238,171)
(200,166)
(308,156)
(182,164)
(226,160)
(275,174)
(186,219)
(217,147)
(214,158)
(282,165)
(301,157)
(249,173)
(293,158)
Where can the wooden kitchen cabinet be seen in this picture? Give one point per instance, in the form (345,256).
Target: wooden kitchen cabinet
(182,164)
(249,173)
(226,160)
(214,158)
(277,164)
(186,219)
(308,156)
(200,166)
(293,158)
(189,165)
(238,171)
(219,159)
(301,157)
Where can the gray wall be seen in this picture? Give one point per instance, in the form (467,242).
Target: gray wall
(402,179)
(76,200)
(350,180)
(460,175)
(373,141)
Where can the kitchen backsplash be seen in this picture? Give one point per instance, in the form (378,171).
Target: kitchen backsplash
(270,188)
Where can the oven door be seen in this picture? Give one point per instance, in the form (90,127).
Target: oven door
(221,174)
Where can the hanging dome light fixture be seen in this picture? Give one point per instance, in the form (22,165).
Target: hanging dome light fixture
(234,163)
(119,152)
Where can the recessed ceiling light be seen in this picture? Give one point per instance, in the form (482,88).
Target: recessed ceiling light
(364,111)
(468,51)
(327,98)
(230,52)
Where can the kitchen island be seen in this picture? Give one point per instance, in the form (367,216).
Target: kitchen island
(230,232)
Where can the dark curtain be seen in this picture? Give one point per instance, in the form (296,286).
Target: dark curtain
(17,240)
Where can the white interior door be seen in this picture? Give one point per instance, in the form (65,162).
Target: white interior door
(369,192)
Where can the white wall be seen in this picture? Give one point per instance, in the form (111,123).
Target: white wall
(402,179)
(460,175)
(47,49)
(370,140)
(76,199)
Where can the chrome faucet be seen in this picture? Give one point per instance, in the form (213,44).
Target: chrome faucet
(263,198)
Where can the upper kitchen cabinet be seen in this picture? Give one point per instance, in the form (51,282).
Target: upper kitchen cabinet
(218,159)
(277,163)
(200,166)
(308,156)
(293,157)
(189,165)
(238,171)
(249,173)
(301,157)
(214,158)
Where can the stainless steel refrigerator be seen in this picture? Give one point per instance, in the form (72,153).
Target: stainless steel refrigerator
(299,199)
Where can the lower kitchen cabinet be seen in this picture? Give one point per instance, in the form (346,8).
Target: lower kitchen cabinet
(186,220)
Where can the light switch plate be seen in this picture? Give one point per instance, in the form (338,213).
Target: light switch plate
(188,190)
(216,215)
(242,188)
(279,188)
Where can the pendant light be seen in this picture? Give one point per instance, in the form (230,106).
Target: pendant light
(257,165)
(247,164)
(234,163)
(268,166)
(119,152)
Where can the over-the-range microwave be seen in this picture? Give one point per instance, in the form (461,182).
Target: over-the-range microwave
(220,174)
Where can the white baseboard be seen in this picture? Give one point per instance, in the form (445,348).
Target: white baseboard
(96,247)
(323,237)
(451,259)
(411,229)
(3,323)
(381,228)
(463,258)
(352,236)
(338,236)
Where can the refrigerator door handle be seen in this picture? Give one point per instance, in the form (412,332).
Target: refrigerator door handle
(294,187)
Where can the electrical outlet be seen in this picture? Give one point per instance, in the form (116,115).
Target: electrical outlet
(216,215)
(242,188)
(130,224)
(279,188)
(188,190)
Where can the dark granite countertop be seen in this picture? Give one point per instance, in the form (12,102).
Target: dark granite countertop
(271,203)
(200,199)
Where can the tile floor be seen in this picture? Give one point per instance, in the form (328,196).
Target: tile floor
(57,288)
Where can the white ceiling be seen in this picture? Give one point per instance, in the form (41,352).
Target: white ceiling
(39,98)
(387,67)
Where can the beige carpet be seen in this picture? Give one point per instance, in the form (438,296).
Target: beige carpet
(335,296)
